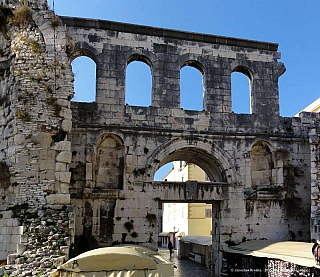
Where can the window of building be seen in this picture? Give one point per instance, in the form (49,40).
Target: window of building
(191,88)
(208,213)
(84,70)
(138,84)
(241,90)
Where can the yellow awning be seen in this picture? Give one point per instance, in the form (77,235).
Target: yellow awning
(290,251)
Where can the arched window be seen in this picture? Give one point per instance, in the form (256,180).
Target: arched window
(241,90)
(191,87)
(138,82)
(84,70)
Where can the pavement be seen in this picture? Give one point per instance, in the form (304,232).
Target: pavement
(184,268)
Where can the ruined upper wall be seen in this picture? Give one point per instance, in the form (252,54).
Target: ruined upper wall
(166,33)
(114,45)
(34,4)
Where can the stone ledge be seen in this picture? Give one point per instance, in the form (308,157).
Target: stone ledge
(167,33)
(97,193)
(272,194)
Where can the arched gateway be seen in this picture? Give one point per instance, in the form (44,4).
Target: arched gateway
(216,163)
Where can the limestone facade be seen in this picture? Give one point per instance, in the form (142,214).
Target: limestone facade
(92,185)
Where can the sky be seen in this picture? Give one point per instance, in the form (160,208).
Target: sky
(294,25)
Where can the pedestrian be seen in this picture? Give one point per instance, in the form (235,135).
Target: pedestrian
(315,251)
(170,247)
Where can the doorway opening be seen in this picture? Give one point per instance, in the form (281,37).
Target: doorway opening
(186,225)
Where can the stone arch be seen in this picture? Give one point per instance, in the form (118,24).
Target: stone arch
(139,58)
(207,155)
(109,161)
(261,164)
(265,142)
(244,70)
(194,63)
(82,49)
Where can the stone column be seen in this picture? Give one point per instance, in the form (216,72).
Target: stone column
(314,139)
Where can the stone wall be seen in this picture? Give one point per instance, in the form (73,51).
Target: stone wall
(10,234)
(73,190)
(314,135)
(36,84)
(263,159)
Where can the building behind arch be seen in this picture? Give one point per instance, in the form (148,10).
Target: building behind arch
(187,218)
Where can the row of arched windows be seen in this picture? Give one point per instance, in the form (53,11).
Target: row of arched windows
(139,85)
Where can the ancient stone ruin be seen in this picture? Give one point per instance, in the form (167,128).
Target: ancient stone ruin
(77,176)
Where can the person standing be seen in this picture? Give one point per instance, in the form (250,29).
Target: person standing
(170,247)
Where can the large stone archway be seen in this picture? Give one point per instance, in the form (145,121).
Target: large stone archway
(217,163)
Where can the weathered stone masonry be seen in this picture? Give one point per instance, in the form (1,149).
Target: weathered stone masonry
(36,88)
(92,185)
(259,163)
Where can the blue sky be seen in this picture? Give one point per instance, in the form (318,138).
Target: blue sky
(294,24)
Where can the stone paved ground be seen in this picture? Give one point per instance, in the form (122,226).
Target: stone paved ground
(184,268)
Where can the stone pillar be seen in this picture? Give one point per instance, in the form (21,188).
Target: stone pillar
(166,77)
(314,139)
(218,86)
(216,253)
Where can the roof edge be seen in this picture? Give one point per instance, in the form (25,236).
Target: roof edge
(166,33)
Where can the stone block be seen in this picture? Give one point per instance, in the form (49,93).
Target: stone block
(44,139)
(88,171)
(66,113)
(64,188)
(11,247)
(64,157)
(64,250)
(62,199)
(61,167)
(15,239)
(62,146)
(3,256)
(47,165)
(48,175)
(9,230)
(19,139)
(58,261)
(23,239)
(129,160)
(63,103)
(63,177)
(66,125)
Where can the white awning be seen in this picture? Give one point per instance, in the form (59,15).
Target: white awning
(125,261)
(289,251)
(164,234)
(201,240)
